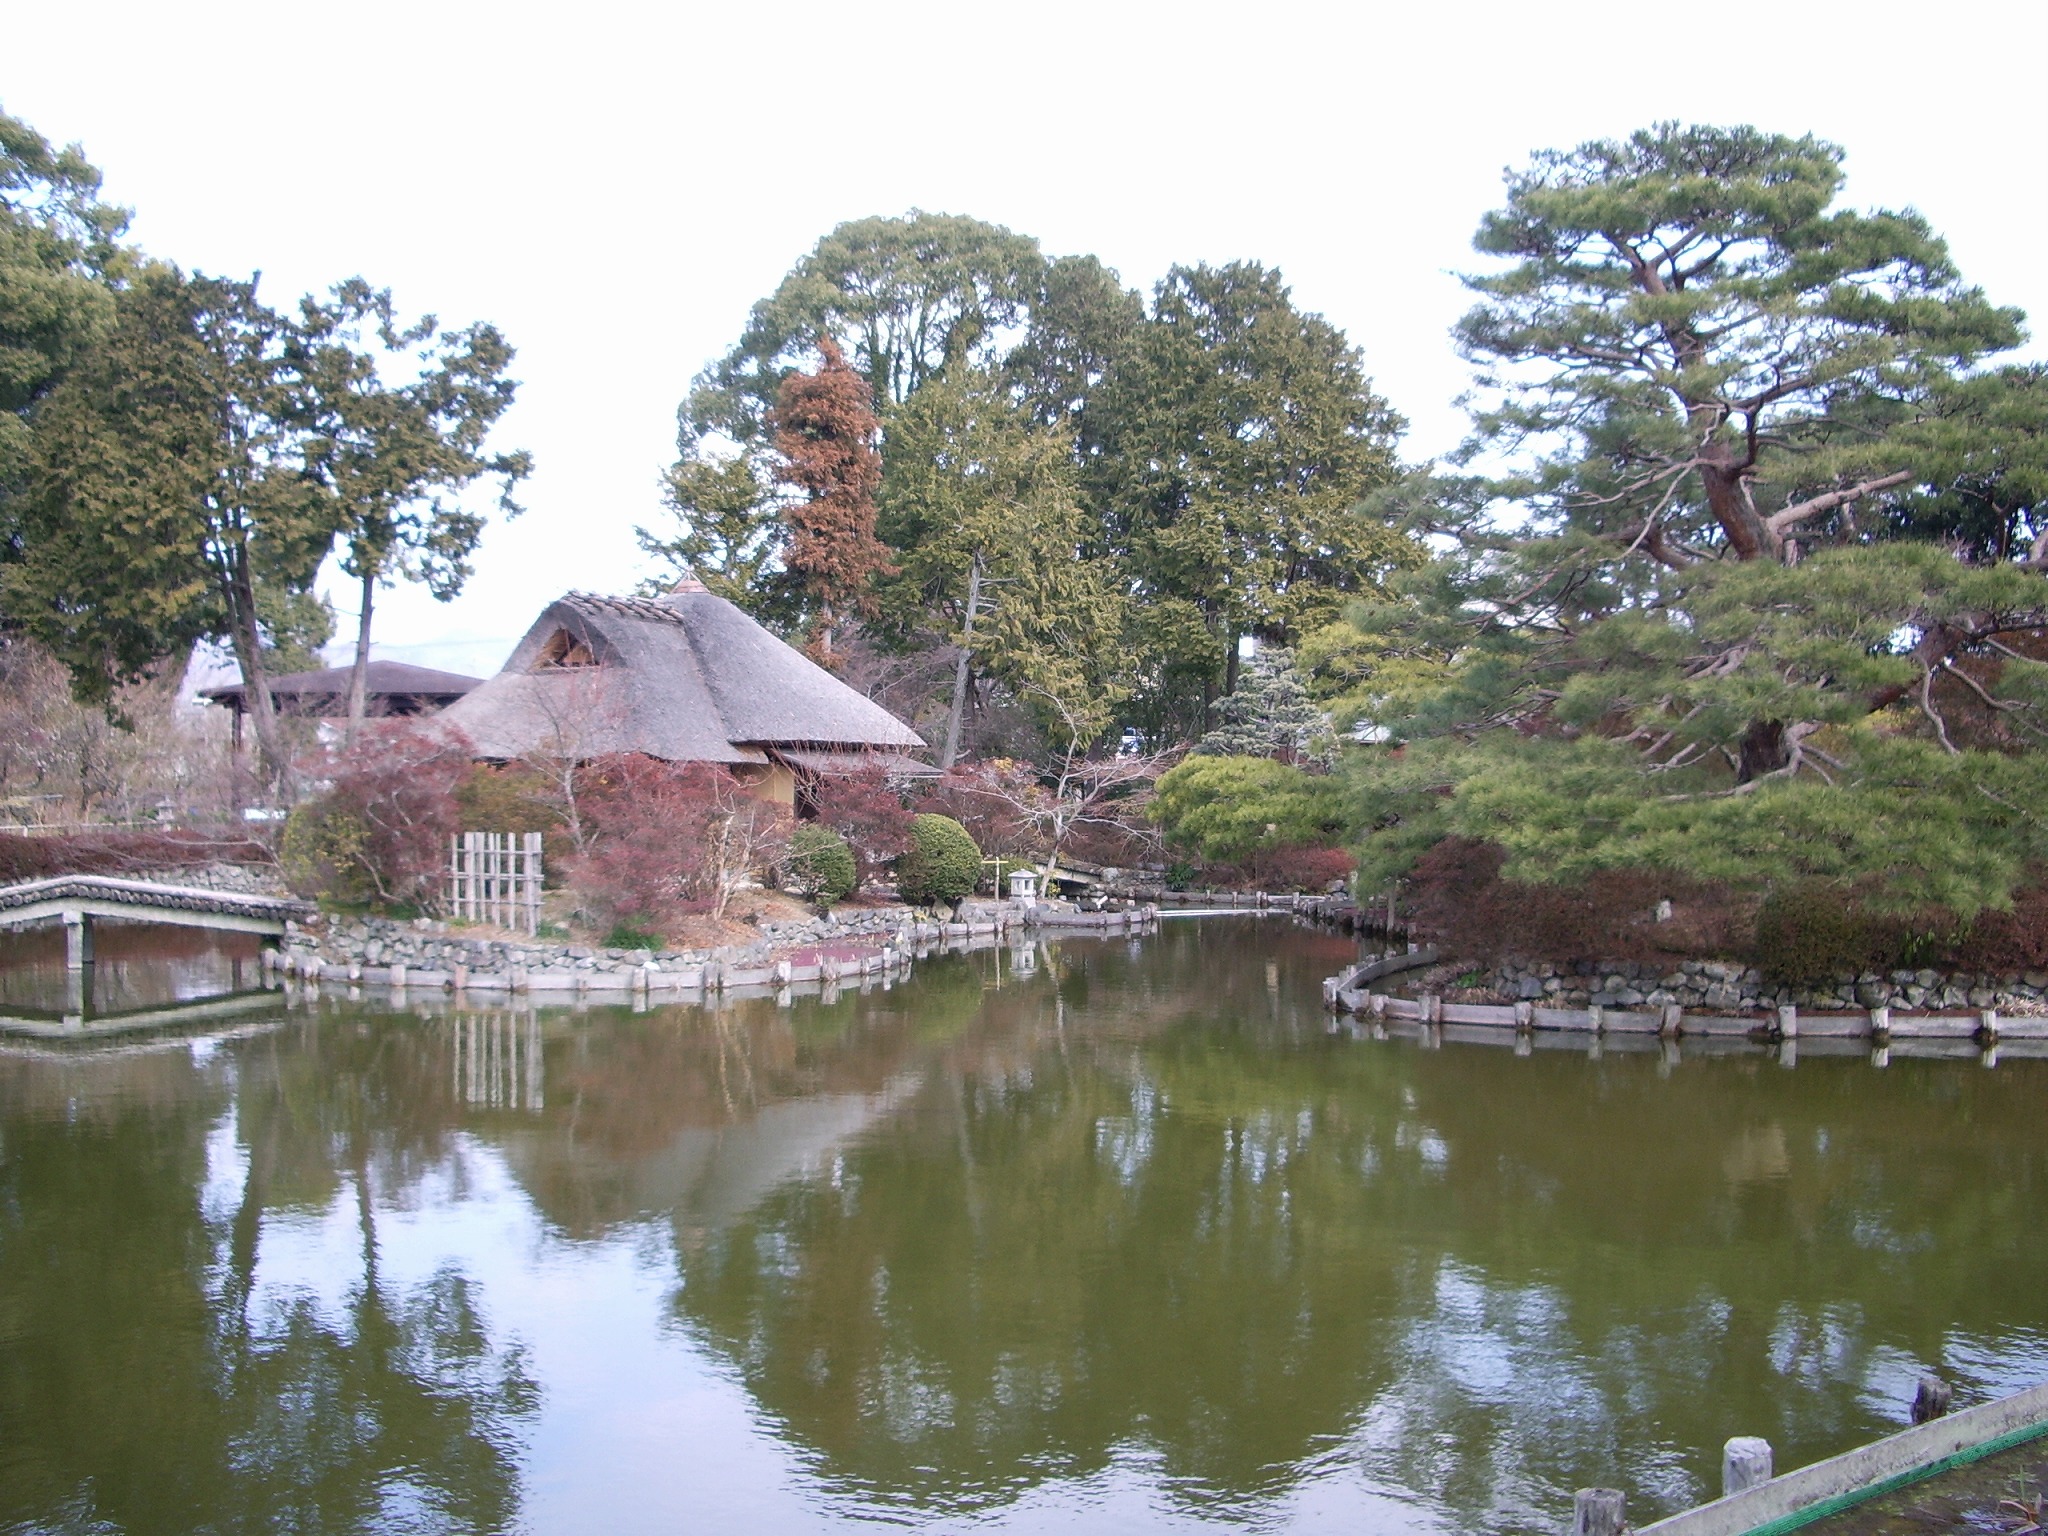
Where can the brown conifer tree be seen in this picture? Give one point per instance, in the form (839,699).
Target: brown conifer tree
(825,431)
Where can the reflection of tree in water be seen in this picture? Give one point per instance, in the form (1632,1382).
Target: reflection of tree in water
(1233,1244)
(406,1416)
(148,1383)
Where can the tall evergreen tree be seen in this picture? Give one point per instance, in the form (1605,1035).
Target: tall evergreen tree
(982,507)
(60,262)
(1269,713)
(1237,438)
(170,485)
(399,454)
(825,432)
(1710,355)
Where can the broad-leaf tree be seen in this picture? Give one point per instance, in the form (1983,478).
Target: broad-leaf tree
(899,296)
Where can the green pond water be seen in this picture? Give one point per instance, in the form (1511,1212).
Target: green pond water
(1095,1236)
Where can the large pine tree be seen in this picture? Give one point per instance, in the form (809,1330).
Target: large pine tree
(1695,642)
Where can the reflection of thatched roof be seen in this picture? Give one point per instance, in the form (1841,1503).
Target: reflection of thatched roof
(391,687)
(686,677)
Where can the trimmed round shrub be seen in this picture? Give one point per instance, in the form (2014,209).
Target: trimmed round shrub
(819,866)
(943,863)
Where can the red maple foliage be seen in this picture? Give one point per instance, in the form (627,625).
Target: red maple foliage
(868,811)
(380,830)
(667,839)
(825,432)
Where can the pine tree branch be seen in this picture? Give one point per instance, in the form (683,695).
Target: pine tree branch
(1934,715)
(1778,522)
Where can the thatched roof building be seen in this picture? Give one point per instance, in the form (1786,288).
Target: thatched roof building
(686,677)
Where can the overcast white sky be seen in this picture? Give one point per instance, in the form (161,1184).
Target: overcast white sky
(614,185)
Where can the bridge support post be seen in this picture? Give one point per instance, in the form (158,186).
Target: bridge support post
(77,940)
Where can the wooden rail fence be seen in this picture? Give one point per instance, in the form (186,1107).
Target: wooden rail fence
(495,877)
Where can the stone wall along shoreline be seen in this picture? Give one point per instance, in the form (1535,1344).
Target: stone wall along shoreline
(845,944)
(1708,998)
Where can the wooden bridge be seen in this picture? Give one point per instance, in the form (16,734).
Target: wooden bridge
(75,900)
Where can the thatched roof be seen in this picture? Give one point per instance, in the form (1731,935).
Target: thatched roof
(686,677)
(392,687)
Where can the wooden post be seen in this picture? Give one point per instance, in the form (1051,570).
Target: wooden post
(1880,1023)
(77,940)
(1987,1026)
(1745,1464)
(1673,1020)
(1788,1029)
(1931,1399)
(1599,1512)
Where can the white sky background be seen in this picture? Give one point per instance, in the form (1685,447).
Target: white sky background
(614,186)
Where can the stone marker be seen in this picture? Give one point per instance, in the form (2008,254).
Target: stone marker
(1745,1464)
(1599,1512)
(1931,1399)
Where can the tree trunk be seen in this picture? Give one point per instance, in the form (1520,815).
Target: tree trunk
(359,674)
(1764,749)
(952,747)
(1748,538)
(247,636)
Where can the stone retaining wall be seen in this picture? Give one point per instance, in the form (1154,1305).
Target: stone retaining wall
(426,953)
(1731,986)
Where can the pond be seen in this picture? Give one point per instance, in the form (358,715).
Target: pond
(1098,1235)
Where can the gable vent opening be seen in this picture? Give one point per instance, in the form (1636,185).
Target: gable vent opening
(563,650)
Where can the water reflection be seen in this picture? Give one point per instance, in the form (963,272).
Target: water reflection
(137,966)
(1089,1234)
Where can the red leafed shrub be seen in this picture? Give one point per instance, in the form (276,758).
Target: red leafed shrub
(665,839)
(1457,898)
(379,833)
(1301,868)
(868,811)
(121,853)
